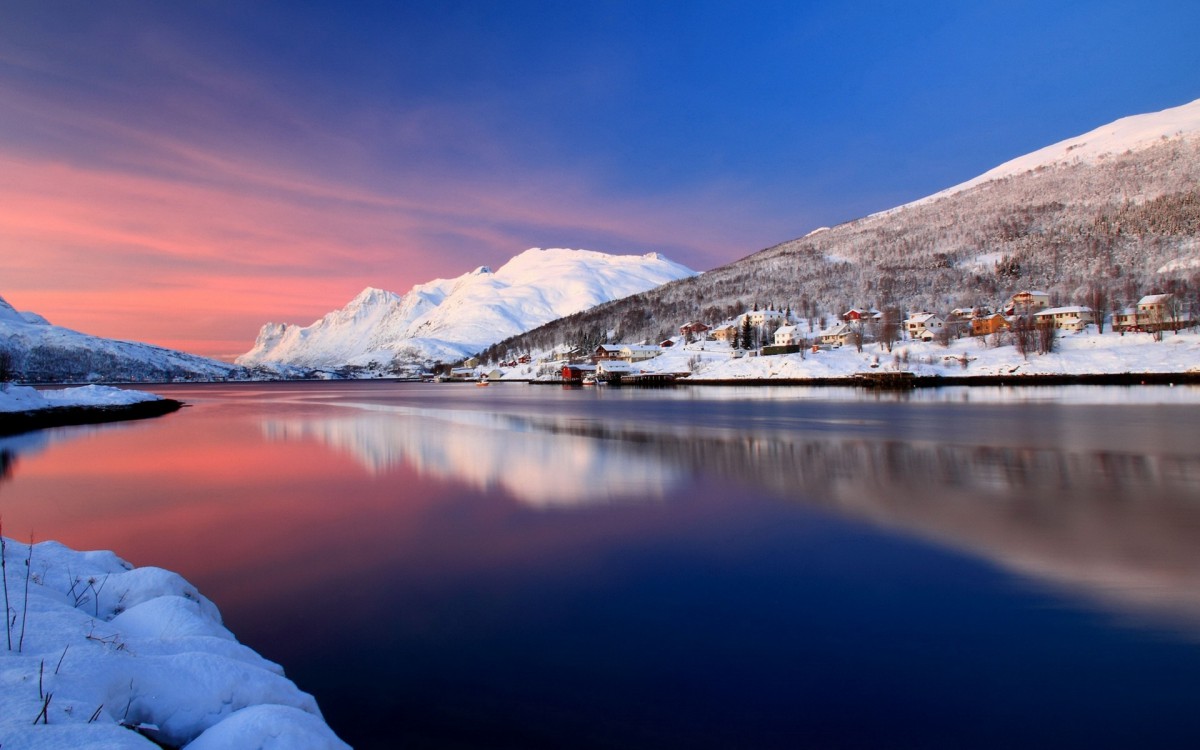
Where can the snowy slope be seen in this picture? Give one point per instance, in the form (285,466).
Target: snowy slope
(452,318)
(44,352)
(1126,134)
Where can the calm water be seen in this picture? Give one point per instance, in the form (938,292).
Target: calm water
(521,566)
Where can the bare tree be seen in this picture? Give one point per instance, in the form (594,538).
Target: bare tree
(1022,335)
(1096,298)
(889,328)
(1047,333)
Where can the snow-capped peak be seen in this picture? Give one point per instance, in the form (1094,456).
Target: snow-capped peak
(1126,134)
(372,296)
(451,318)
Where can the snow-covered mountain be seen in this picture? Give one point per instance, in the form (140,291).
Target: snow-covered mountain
(38,351)
(1128,134)
(449,319)
(1116,209)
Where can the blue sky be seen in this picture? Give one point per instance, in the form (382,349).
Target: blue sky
(279,156)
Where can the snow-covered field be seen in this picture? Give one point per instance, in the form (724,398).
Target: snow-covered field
(14,398)
(97,654)
(1074,354)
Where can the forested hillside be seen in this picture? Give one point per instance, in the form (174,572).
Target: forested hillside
(1108,229)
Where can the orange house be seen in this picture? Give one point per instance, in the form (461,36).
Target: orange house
(988,324)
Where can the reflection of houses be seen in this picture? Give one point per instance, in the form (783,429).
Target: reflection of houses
(1072,318)
(924,326)
(988,324)
(727,333)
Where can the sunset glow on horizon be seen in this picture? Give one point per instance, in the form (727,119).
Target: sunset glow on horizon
(181,174)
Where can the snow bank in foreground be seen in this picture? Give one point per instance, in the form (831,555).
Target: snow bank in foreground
(101,653)
(23,398)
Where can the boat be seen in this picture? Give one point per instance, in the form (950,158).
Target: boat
(589,380)
(483,380)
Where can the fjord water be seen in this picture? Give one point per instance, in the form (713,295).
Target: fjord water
(527,566)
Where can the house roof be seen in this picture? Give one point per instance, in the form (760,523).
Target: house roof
(836,330)
(922,317)
(1154,299)
(1077,309)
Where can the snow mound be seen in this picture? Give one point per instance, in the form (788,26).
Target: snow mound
(106,655)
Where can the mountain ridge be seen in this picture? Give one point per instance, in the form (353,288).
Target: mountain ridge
(35,350)
(449,319)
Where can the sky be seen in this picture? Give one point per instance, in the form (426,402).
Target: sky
(182,172)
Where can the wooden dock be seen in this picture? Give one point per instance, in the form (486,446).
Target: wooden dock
(890,380)
(647,380)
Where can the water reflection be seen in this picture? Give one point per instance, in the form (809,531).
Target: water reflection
(540,469)
(1119,526)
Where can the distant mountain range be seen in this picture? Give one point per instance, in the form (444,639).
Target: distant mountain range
(34,350)
(1116,208)
(449,319)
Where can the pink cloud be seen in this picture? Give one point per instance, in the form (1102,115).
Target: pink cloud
(195,248)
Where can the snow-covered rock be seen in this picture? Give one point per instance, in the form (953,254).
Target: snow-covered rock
(102,653)
(453,318)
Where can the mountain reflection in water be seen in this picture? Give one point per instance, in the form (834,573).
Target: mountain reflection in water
(1117,526)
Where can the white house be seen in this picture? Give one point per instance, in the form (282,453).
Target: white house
(612,368)
(1027,302)
(639,352)
(924,326)
(840,335)
(762,317)
(1072,318)
(788,336)
(727,333)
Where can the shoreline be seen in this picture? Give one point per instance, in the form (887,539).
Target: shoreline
(18,422)
(934,381)
(940,381)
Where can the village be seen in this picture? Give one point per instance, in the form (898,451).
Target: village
(1026,322)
